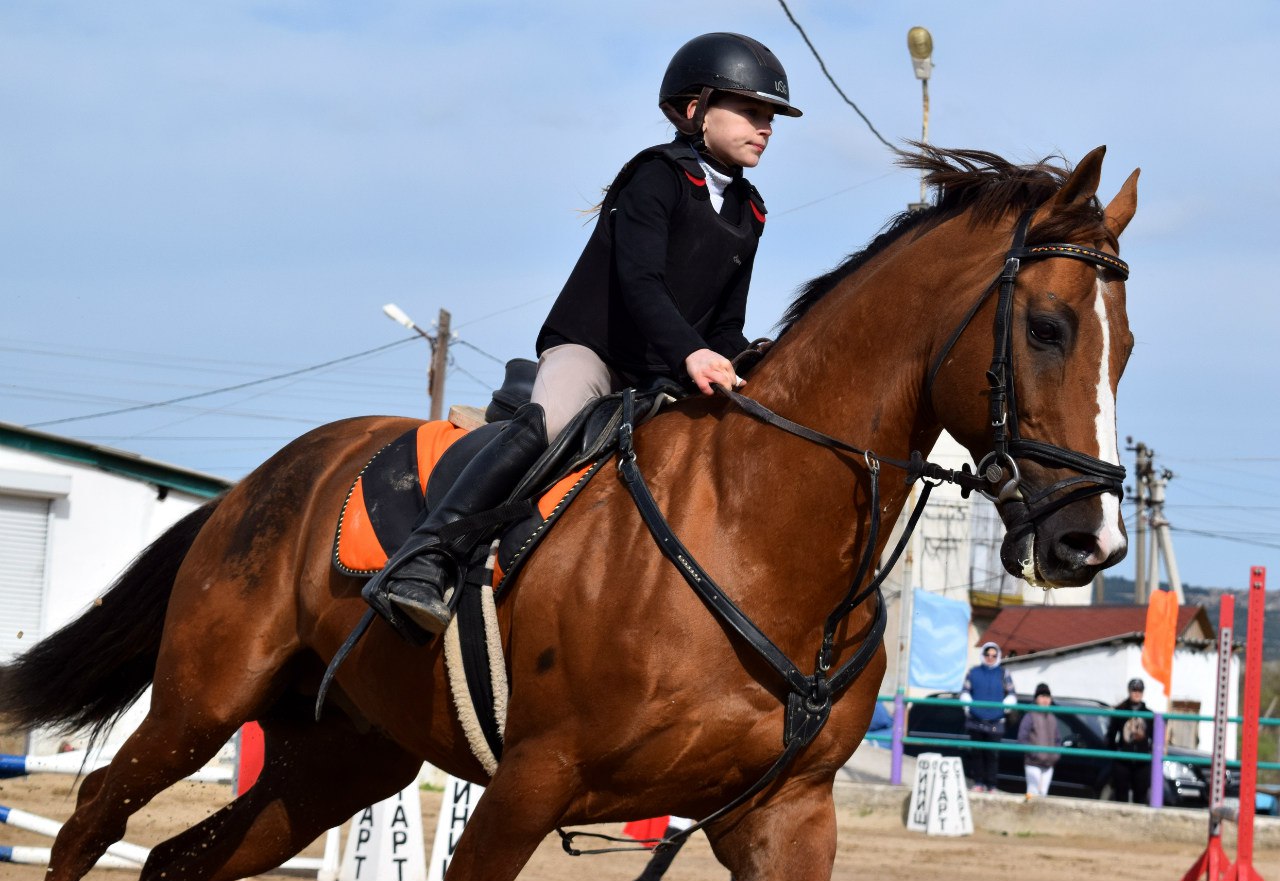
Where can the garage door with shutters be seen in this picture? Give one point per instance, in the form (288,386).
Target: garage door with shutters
(24,533)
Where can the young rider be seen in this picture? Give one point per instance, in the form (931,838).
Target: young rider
(660,289)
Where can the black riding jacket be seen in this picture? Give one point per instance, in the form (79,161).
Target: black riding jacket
(663,274)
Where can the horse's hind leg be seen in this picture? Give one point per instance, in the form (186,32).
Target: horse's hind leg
(791,836)
(202,691)
(154,757)
(315,776)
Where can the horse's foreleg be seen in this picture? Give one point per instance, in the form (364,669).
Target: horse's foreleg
(155,756)
(315,777)
(520,806)
(790,836)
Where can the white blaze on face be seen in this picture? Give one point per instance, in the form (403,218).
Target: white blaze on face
(1110,538)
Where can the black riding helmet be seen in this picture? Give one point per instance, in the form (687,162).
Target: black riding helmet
(722,62)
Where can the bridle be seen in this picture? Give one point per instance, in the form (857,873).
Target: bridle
(810,697)
(999,468)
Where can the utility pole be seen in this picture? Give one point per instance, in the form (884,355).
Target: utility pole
(1161,537)
(1141,474)
(439,353)
(1156,543)
(920,45)
(439,361)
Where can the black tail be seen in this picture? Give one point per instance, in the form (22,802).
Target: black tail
(88,673)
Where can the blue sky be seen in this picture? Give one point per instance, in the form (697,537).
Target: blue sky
(202,195)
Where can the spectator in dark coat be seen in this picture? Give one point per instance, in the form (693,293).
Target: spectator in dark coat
(1131,734)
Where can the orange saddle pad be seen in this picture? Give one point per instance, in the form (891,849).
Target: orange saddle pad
(389,495)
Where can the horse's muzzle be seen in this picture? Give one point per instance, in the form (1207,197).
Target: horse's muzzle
(1066,549)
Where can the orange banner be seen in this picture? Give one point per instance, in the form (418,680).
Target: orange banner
(1160,638)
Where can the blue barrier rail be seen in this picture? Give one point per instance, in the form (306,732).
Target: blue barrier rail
(898,736)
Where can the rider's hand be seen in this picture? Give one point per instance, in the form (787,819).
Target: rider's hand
(705,367)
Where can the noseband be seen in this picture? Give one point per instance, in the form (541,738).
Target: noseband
(998,468)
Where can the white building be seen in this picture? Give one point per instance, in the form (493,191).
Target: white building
(72,516)
(1094,652)
(955,553)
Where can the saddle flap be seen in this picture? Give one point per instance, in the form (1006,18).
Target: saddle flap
(388,498)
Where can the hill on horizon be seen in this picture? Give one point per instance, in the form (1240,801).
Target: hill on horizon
(1118,590)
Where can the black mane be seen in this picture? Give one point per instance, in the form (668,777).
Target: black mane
(972,181)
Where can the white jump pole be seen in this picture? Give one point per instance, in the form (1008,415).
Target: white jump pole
(75,763)
(39,856)
(134,855)
(122,854)
(44,826)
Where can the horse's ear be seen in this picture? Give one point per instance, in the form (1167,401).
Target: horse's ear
(1120,210)
(1082,184)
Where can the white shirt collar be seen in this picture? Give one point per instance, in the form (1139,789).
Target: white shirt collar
(716,183)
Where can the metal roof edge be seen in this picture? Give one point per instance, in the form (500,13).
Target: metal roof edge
(121,462)
(1135,636)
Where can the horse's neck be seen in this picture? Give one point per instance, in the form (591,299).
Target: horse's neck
(855,367)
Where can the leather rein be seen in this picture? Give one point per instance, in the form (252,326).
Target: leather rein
(810,697)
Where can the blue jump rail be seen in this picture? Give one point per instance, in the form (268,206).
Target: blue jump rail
(898,737)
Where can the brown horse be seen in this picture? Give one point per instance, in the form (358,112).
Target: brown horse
(627,698)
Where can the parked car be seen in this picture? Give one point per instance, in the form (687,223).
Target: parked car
(1185,784)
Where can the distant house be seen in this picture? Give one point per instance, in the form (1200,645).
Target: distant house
(72,516)
(1093,651)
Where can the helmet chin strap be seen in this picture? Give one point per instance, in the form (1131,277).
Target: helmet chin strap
(690,127)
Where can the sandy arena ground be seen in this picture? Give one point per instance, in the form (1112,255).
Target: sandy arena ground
(873,845)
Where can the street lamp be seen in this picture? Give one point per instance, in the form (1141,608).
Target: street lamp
(396,314)
(920,45)
(439,353)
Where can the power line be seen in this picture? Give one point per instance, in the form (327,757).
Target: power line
(836,193)
(822,64)
(1218,459)
(506,310)
(218,391)
(1217,535)
(454,366)
(476,348)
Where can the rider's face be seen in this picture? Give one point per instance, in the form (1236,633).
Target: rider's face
(736,129)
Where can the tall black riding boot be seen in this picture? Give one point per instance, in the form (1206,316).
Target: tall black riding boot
(414,580)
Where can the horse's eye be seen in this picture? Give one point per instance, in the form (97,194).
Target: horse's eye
(1046,330)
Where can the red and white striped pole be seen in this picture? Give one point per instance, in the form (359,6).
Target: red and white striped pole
(1213,864)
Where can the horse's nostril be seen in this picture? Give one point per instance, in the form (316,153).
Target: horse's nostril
(1080,547)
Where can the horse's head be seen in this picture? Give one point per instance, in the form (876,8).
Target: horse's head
(1043,424)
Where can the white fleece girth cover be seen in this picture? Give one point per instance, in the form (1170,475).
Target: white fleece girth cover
(467,714)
